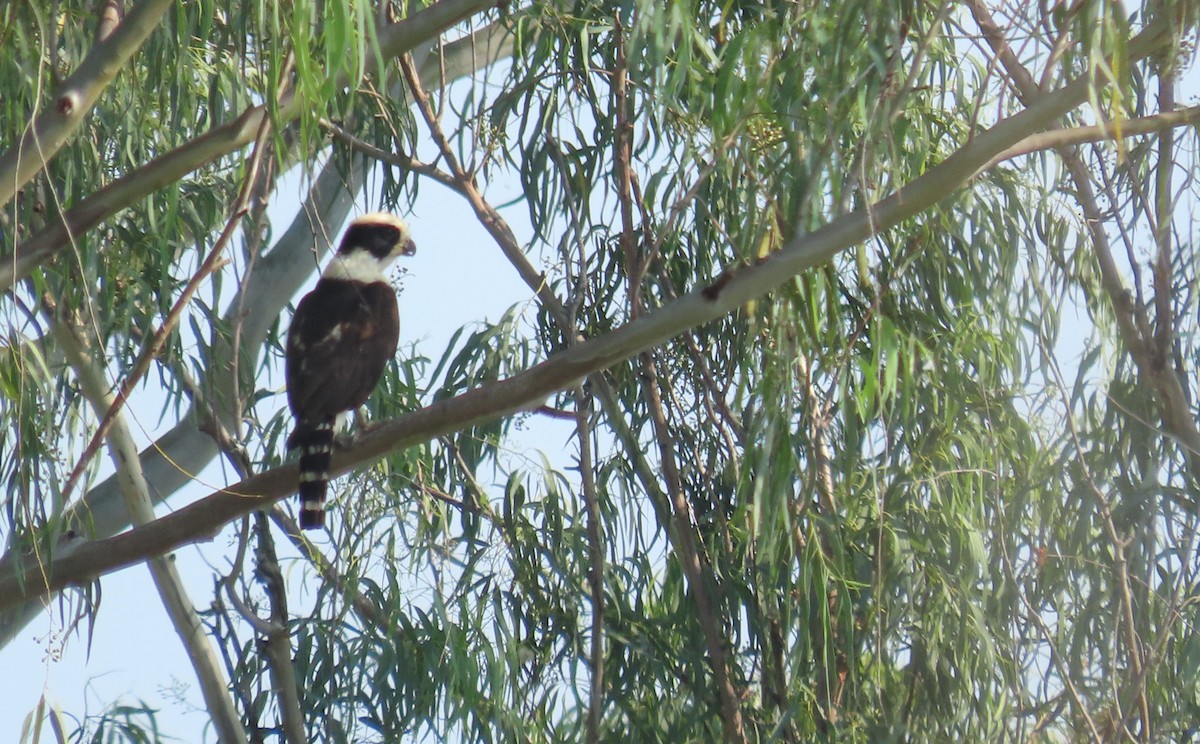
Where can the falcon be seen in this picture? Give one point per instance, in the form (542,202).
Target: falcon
(342,335)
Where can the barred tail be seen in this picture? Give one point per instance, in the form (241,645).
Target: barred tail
(316,448)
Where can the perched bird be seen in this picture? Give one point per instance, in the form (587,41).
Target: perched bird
(341,337)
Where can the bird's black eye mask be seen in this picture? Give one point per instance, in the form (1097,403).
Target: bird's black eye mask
(380,240)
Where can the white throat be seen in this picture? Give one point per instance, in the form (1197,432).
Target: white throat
(357,266)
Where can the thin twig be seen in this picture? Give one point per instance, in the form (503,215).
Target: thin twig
(398,159)
(583,430)
(274,629)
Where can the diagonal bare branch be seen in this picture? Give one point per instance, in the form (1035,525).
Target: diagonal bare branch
(45,135)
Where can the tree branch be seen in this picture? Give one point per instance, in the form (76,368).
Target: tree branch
(278,649)
(45,135)
(583,430)
(1164,316)
(1060,138)
(213,685)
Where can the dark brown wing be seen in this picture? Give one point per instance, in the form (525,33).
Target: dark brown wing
(341,337)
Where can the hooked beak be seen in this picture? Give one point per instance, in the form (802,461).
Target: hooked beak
(408,247)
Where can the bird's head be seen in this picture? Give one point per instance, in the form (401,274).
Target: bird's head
(370,245)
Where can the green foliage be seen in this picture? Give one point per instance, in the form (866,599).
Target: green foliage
(931,490)
(136,724)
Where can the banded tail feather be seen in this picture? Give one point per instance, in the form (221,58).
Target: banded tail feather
(316,453)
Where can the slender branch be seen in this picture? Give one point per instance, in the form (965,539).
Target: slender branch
(583,430)
(45,135)
(400,160)
(695,567)
(623,169)
(826,629)
(1059,138)
(487,215)
(1164,317)
(819,420)
(278,649)
(1064,672)
(180,608)
(234,654)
